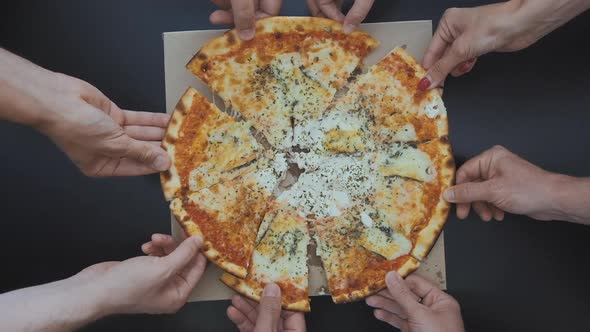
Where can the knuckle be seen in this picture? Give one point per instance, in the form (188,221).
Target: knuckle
(499,148)
(450,13)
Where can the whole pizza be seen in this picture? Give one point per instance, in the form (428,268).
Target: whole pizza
(310,148)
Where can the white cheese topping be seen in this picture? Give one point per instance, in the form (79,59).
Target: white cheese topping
(434,108)
(366,219)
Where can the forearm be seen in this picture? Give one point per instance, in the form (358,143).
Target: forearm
(21,83)
(63,305)
(572,198)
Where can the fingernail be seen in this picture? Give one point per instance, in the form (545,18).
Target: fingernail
(246,34)
(424,83)
(449,195)
(348,28)
(465,67)
(271,290)
(161,163)
(197,239)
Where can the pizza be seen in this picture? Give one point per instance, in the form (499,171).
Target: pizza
(311,154)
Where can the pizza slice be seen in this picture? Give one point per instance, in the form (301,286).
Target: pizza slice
(408,194)
(205,145)
(280,257)
(353,271)
(394,107)
(289,71)
(227,215)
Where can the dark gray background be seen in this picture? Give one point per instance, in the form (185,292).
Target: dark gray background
(516,275)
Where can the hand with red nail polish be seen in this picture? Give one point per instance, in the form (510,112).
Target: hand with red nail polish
(416,305)
(243,14)
(333,9)
(499,181)
(463,34)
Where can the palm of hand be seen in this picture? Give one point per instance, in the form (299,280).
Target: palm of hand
(438,316)
(103,140)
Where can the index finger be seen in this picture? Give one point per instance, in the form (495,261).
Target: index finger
(475,168)
(135,118)
(436,48)
(331,10)
(420,286)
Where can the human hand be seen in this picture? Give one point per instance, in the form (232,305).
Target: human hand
(498,181)
(463,34)
(147,284)
(266,316)
(243,14)
(415,305)
(333,9)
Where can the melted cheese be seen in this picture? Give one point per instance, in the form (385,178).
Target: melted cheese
(330,185)
(281,253)
(407,161)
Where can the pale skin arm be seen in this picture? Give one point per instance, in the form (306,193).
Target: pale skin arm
(138,285)
(98,136)
(463,34)
(499,181)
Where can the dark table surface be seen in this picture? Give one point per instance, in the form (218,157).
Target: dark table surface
(515,275)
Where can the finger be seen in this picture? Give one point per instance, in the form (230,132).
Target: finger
(145,133)
(437,73)
(437,47)
(152,119)
(470,192)
(193,273)
(269,310)
(482,209)
(357,13)
(144,153)
(270,7)
(150,249)
(330,9)
(221,16)
(463,67)
(246,307)
(497,212)
(243,12)
(125,167)
(386,294)
(400,292)
(239,319)
(164,241)
(420,286)
(184,254)
(389,318)
(463,210)
(295,321)
(380,302)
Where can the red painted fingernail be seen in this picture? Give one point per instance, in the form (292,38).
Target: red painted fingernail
(424,84)
(465,67)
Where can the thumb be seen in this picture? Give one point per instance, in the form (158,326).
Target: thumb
(357,14)
(400,292)
(144,152)
(244,19)
(184,254)
(269,309)
(436,74)
(469,192)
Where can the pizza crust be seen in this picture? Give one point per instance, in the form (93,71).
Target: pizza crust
(255,293)
(409,266)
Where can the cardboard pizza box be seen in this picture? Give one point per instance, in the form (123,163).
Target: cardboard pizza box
(179,48)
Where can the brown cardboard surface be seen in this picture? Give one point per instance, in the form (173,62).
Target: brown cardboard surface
(179,47)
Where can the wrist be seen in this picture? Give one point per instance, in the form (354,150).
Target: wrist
(571,198)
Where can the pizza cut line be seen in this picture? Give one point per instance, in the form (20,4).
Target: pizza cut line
(358,174)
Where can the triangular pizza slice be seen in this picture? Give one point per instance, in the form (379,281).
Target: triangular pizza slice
(408,194)
(206,146)
(354,271)
(280,257)
(227,215)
